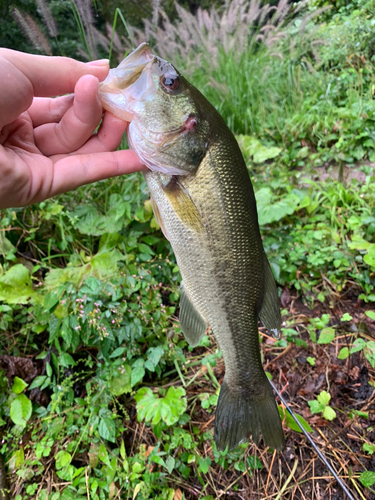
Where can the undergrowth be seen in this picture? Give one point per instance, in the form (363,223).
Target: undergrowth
(100,395)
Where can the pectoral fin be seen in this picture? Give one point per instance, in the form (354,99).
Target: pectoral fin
(192,324)
(158,217)
(269,313)
(183,205)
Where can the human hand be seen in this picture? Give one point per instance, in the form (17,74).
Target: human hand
(48,146)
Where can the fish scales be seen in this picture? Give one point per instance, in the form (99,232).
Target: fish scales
(204,201)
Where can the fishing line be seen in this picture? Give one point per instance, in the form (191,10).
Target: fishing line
(319,453)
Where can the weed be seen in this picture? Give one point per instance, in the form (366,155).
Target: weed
(119,407)
(320,405)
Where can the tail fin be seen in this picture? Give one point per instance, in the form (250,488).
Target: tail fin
(238,414)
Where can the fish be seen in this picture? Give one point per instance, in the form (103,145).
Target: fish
(204,202)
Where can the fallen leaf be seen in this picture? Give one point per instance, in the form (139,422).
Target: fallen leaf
(354,372)
(285,298)
(136,490)
(177,494)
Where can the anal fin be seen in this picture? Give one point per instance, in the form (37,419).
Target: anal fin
(269,313)
(192,324)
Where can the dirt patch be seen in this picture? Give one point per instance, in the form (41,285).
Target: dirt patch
(332,171)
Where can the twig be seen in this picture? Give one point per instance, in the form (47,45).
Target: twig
(269,471)
(279,355)
(207,423)
(179,373)
(87,484)
(356,487)
(288,480)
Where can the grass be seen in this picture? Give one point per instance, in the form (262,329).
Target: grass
(100,395)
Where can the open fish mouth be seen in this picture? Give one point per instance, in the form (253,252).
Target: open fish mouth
(120,82)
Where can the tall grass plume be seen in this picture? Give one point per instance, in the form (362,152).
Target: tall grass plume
(237,27)
(32,31)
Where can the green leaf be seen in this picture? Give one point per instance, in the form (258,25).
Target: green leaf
(367,478)
(94,285)
(358,243)
(346,317)
(324,398)
(117,352)
(311,360)
(38,381)
(138,371)
(344,353)
(88,220)
(370,314)
(154,355)
(252,147)
(62,459)
(120,382)
(369,258)
(17,459)
(103,454)
(16,286)
(315,406)
(204,464)
(51,299)
(169,464)
(326,335)
(329,413)
(5,245)
(107,429)
(254,462)
(358,345)
(263,154)
(103,264)
(122,450)
(369,352)
(272,211)
(152,408)
(66,332)
(19,385)
(291,423)
(20,410)
(66,360)
(369,448)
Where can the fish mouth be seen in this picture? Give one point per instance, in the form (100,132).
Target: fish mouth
(130,69)
(121,78)
(133,65)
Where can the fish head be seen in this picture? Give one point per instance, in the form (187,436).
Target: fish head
(168,129)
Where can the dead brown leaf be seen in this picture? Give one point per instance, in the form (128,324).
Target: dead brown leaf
(177,494)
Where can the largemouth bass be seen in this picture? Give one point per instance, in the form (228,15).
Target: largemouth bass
(204,202)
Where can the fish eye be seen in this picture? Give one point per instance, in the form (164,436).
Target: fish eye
(170,82)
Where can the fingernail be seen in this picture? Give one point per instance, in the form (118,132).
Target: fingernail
(99,62)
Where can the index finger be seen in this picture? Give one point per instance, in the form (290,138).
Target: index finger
(24,76)
(53,75)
